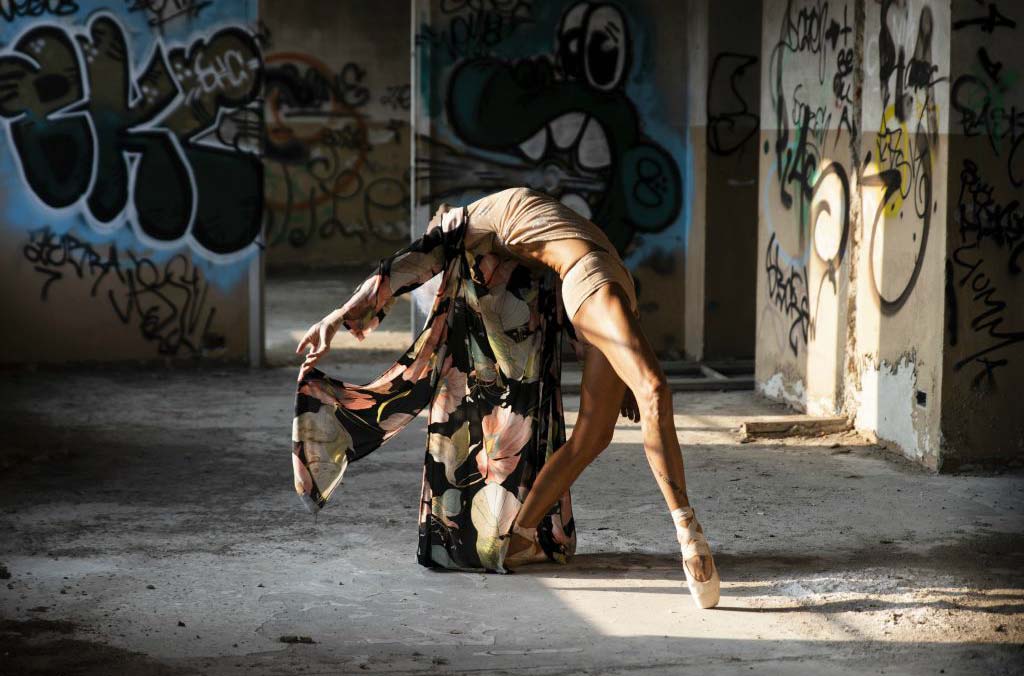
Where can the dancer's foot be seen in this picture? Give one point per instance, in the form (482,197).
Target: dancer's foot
(524,547)
(699,565)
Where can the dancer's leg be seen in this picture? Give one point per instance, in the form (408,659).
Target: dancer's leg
(606,322)
(600,396)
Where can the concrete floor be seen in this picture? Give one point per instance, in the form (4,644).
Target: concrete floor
(148,526)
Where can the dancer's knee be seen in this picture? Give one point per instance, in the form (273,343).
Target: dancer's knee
(654,398)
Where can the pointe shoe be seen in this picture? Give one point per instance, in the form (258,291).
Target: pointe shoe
(693,544)
(532,554)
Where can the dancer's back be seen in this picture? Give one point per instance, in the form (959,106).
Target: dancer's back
(532,225)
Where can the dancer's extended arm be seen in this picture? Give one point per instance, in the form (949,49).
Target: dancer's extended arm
(397,274)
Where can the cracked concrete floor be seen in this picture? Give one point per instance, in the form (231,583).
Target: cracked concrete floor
(148,526)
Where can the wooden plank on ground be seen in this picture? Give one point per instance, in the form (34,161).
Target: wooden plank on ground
(793,426)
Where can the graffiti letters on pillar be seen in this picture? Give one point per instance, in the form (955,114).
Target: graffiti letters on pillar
(809,31)
(802,126)
(984,219)
(563,124)
(904,151)
(94,135)
(167,302)
(987,226)
(730,122)
(318,148)
(787,291)
(990,251)
(829,223)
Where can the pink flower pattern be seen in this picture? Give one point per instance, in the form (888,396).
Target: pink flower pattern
(505,433)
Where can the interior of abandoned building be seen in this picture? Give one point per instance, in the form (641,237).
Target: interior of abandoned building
(821,207)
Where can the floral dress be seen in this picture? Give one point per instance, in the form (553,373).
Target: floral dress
(487,367)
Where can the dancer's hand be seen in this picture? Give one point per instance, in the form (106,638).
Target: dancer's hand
(318,340)
(629,409)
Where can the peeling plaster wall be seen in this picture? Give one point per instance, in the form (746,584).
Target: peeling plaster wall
(902,180)
(886,408)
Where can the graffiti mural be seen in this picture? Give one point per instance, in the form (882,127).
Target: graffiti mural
(11,10)
(474,27)
(131,178)
(160,12)
(118,141)
(560,121)
(787,289)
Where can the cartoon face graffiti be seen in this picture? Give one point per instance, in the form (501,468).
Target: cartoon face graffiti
(568,127)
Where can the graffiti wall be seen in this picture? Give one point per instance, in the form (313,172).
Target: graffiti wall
(583,100)
(808,148)
(984,282)
(337,131)
(130,206)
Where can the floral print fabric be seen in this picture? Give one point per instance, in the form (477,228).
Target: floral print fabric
(486,366)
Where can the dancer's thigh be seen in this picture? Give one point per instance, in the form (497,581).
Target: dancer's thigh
(607,323)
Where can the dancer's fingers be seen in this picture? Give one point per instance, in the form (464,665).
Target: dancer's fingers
(309,340)
(311,359)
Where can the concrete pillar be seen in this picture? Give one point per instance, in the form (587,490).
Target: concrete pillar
(809,149)
(895,359)
(722,252)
